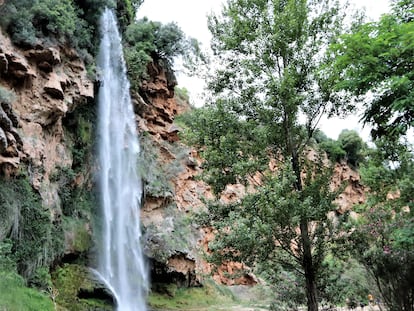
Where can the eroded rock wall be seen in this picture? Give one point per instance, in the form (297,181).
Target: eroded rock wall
(44,85)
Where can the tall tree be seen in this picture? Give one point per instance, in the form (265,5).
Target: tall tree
(266,105)
(374,64)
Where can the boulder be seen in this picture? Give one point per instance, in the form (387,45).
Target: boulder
(41,55)
(18,66)
(3,141)
(5,122)
(53,86)
(4,63)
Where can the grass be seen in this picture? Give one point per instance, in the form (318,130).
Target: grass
(15,296)
(209,297)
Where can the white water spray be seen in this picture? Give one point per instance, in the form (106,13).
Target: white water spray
(121,265)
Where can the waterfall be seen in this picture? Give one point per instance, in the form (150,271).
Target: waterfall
(120,264)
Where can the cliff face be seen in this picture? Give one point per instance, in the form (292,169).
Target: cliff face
(45,85)
(46,139)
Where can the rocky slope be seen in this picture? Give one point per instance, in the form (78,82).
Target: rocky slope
(45,84)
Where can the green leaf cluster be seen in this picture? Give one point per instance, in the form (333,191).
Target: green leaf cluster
(374,63)
(126,11)
(384,237)
(349,147)
(70,280)
(31,22)
(234,148)
(267,98)
(36,240)
(147,41)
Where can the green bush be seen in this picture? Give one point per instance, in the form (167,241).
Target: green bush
(69,280)
(36,240)
(126,10)
(67,21)
(182,94)
(353,145)
(28,20)
(333,149)
(349,147)
(147,40)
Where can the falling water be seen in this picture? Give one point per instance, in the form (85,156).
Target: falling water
(121,265)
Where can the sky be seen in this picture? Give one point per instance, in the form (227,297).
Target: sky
(191,17)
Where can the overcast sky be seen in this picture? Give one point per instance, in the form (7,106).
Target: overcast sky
(191,17)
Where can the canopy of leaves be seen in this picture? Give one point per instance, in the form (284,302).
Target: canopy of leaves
(35,240)
(147,40)
(264,223)
(375,63)
(33,21)
(266,83)
(384,237)
(126,11)
(349,147)
(353,145)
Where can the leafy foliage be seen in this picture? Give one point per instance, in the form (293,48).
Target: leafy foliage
(266,83)
(36,241)
(376,58)
(343,280)
(68,280)
(384,237)
(147,41)
(75,22)
(126,10)
(349,147)
(353,145)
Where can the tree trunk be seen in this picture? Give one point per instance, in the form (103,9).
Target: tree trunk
(307,264)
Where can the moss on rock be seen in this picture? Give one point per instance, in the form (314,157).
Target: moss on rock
(79,290)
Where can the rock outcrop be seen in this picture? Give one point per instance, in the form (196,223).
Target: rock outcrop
(39,87)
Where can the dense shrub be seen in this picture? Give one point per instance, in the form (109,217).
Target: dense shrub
(126,10)
(28,20)
(349,147)
(147,40)
(67,21)
(36,241)
(353,145)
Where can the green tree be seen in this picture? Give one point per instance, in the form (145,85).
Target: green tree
(382,238)
(374,64)
(353,145)
(265,84)
(126,11)
(332,147)
(147,41)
